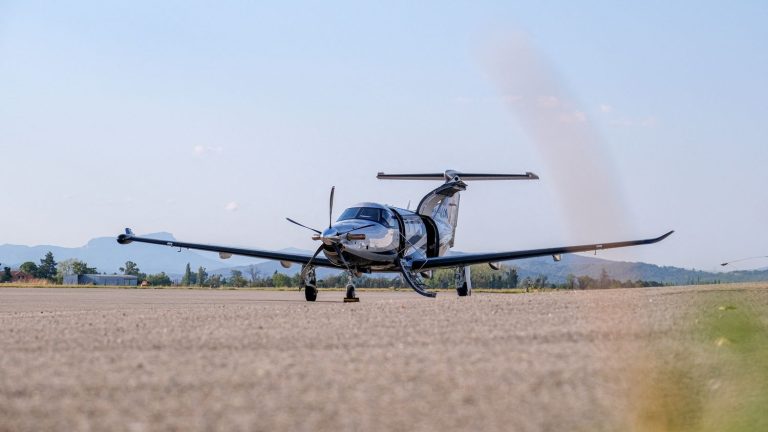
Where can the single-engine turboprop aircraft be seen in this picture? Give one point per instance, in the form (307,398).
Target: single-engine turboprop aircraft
(370,237)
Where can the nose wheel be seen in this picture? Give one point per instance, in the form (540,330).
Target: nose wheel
(351,297)
(310,293)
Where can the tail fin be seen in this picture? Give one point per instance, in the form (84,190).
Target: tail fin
(442,204)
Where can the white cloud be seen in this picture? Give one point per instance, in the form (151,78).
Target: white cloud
(200,150)
(606,108)
(232,206)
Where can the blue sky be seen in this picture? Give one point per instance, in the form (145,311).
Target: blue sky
(215,121)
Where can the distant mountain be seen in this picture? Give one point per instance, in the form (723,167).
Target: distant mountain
(107,255)
(580,265)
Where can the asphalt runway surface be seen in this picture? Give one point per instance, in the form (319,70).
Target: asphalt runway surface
(136,360)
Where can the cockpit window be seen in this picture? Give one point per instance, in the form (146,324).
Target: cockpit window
(373,214)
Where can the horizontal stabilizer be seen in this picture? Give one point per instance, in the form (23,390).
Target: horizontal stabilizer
(454,175)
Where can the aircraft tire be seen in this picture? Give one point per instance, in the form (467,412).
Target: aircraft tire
(310,293)
(463,291)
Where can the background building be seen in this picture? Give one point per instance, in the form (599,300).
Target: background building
(94,279)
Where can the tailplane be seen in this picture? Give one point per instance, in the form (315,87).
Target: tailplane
(442,204)
(451,175)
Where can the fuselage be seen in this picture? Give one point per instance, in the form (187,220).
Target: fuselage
(373,237)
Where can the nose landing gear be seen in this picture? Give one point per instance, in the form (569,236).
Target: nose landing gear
(350,296)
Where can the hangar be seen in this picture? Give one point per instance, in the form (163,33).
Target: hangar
(95,279)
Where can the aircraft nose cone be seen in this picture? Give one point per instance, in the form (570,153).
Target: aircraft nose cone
(330,236)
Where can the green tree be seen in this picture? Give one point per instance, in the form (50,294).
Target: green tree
(189,278)
(585,282)
(512,278)
(160,279)
(47,267)
(236,279)
(64,269)
(570,281)
(215,281)
(81,268)
(202,276)
(605,280)
(29,268)
(6,276)
(280,280)
(130,269)
(255,274)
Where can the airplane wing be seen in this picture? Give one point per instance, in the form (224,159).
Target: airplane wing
(478,258)
(226,251)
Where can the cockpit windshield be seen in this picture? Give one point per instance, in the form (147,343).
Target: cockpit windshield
(373,214)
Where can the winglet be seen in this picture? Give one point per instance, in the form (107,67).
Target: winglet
(658,239)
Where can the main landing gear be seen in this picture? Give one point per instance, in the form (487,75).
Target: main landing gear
(463,280)
(309,283)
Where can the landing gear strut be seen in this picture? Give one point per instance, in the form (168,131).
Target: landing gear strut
(350,297)
(463,280)
(309,282)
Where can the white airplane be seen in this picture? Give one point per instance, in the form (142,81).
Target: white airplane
(371,237)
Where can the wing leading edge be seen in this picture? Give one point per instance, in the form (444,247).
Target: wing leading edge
(223,251)
(480,258)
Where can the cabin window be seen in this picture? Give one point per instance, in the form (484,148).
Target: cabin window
(373,214)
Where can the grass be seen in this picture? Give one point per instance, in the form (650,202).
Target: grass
(717,381)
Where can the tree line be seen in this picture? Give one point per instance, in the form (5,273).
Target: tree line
(482,277)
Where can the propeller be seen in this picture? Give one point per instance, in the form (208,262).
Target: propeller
(330,216)
(334,238)
(304,226)
(317,252)
(341,257)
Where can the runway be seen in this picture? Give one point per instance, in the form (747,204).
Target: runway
(136,360)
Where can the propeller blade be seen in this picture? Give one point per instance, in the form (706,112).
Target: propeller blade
(330,207)
(304,226)
(341,257)
(308,266)
(317,252)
